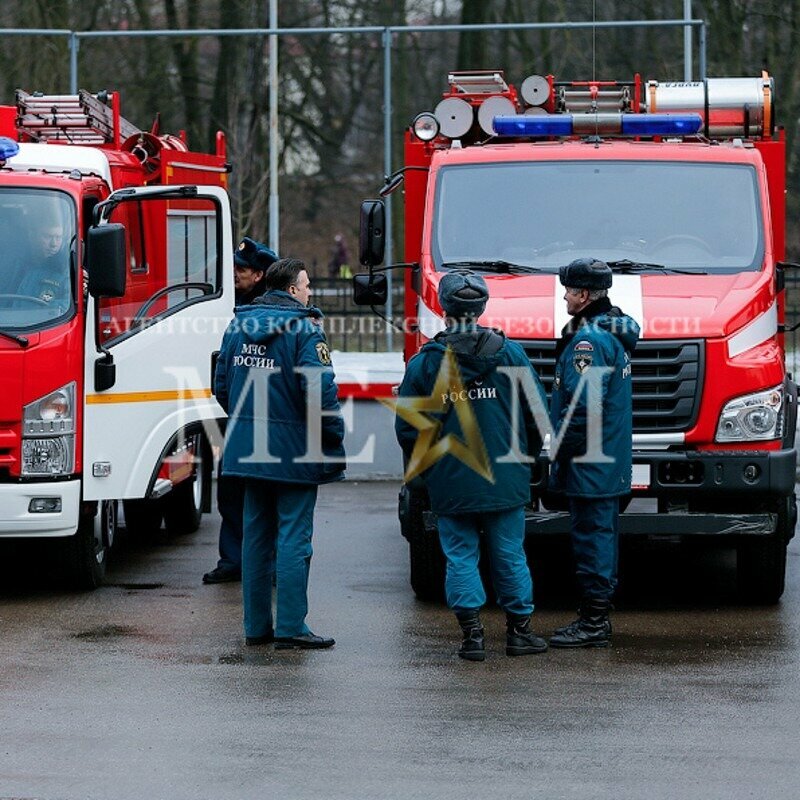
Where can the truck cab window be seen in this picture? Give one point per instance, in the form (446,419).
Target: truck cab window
(37,229)
(180,266)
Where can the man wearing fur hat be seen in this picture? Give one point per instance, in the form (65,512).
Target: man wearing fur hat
(598,337)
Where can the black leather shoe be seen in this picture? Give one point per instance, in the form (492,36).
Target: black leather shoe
(220,575)
(267,638)
(591,629)
(520,639)
(306,641)
(473,647)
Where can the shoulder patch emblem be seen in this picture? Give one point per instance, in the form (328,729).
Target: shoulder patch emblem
(323,354)
(584,347)
(581,360)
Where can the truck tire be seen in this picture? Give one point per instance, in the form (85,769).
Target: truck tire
(143,518)
(182,508)
(761,563)
(86,553)
(425,553)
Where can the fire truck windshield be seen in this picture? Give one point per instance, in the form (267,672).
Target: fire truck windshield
(37,231)
(682,215)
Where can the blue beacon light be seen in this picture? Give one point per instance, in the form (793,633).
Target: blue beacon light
(627,125)
(8,148)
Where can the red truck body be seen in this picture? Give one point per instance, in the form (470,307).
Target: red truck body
(697,226)
(72,155)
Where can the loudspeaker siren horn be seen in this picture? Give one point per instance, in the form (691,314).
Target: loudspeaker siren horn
(535,90)
(455,117)
(492,107)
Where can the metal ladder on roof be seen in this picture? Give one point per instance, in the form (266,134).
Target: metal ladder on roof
(81,118)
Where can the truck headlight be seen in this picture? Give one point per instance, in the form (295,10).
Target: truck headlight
(752,417)
(48,433)
(51,456)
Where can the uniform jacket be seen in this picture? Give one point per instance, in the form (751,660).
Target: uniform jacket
(266,400)
(48,282)
(600,336)
(454,487)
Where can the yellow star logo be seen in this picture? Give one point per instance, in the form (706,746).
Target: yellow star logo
(427,450)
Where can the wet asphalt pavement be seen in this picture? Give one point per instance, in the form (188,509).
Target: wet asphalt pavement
(144,688)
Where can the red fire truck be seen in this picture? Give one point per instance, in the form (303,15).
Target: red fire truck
(680,188)
(115,288)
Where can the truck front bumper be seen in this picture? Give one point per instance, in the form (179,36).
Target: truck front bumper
(723,483)
(695,473)
(16,519)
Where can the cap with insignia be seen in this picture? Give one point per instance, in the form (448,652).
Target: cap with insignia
(253,254)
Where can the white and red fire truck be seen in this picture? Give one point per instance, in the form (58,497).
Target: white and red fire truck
(115,288)
(680,187)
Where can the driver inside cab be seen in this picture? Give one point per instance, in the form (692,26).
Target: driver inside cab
(46,279)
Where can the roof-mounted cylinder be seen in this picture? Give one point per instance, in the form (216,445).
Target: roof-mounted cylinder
(728,106)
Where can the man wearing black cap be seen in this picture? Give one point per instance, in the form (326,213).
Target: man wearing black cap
(250,262)
(598,338)
(478,488)
(251,259)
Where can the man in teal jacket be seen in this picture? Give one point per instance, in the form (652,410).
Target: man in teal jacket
(593,382)
(480,486)
(284,436)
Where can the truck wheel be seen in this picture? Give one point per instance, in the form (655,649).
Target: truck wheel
(143,517)
(761,563)
(86,553)
(182,511)
(425,552)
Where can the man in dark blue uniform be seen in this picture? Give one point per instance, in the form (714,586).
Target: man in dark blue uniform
(251,259)
(476,489)
(274,378)
(592,466)
(47,277)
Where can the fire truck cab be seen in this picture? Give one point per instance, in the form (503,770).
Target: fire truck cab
(115,288)
(680,188)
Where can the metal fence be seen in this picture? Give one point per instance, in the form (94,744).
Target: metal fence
(350,327)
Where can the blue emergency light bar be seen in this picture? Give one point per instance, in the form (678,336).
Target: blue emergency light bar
(8,148)
(608,124)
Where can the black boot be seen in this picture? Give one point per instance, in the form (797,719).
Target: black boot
(520,639)
(591,629)
(472,643)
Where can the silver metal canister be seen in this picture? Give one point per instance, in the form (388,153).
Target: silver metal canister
(728,106)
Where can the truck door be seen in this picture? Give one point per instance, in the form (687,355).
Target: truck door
(161,335)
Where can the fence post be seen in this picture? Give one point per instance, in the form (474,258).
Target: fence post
(74,46)
(387,166)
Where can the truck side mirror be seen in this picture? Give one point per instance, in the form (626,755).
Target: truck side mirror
(370,289)
(106,260)
(372,238)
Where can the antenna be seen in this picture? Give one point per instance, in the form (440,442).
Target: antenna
(594,63)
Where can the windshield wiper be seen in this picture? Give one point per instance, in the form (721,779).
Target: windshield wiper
(626,265)
(20,340)
(495,266)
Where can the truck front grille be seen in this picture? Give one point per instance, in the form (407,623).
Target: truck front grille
(8,446)
(667,381)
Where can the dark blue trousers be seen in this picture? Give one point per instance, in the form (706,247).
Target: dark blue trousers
(278,525)
(230,503)
(505,533)
(595,545)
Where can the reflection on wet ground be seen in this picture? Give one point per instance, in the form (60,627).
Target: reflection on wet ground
(146,688)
